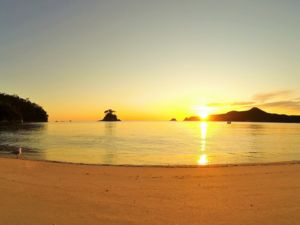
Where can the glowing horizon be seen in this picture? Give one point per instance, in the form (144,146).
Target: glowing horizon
(151,60)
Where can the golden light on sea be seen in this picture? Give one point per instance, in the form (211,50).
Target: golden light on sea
(203,157)
(203,128)
(203,160)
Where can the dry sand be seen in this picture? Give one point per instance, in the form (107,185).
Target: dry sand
(41,193)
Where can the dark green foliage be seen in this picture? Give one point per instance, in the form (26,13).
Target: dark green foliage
(16,109)
(8,113)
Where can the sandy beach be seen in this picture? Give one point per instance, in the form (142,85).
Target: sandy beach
(35,192)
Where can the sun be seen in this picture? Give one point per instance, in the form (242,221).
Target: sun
(203,112)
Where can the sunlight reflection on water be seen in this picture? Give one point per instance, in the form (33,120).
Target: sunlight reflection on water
(154,143)
(203,157)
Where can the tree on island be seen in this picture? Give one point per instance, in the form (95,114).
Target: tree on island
(109,111)
(110,116)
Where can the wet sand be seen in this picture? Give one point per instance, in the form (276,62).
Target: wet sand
(33,192)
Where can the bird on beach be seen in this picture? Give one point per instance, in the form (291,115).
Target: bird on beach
(18,152)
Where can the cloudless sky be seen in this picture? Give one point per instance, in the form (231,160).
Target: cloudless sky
(151,59)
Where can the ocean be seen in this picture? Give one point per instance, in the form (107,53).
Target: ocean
(153,143)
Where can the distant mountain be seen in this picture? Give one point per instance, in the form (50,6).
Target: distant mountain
(16,109)
(192,118)
(252,115)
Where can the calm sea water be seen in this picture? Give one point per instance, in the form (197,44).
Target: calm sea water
(154,143)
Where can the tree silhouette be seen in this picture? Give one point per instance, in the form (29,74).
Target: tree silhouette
(16,109)
(109,111)
(110,116)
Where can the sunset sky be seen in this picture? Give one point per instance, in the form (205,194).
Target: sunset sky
(151,60)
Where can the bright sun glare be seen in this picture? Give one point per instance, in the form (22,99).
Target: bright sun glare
(203,112)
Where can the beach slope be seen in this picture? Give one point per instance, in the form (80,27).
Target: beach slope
(33,192)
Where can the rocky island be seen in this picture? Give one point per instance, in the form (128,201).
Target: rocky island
(110,116)
(14,109)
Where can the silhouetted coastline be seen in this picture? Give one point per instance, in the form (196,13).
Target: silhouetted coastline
(253,115)
(192,118)
(14,109)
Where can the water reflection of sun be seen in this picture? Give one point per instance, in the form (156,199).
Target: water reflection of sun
(203,157)
(203,160)
(203,128)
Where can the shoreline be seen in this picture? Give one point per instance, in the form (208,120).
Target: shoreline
(162,166)
(42,192)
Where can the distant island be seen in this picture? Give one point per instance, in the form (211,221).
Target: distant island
(110,116)
(14,109)
(253,115)
(192,118)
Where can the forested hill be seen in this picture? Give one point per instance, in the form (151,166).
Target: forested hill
(256,115)
(252,115)
(16,109)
